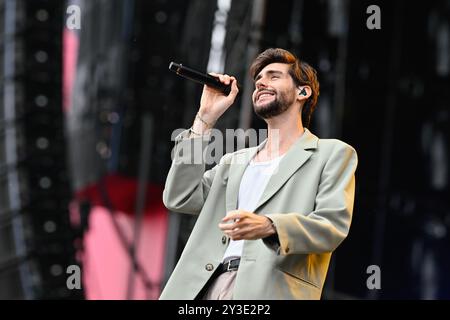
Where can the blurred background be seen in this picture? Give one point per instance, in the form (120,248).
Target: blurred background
(88,107)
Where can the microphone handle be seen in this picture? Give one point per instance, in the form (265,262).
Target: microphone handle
(202,78)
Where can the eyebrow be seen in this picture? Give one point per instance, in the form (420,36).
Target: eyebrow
(269,72)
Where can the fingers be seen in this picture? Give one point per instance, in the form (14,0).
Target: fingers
(232,215)
(238,230)
(226,79)
(238,218)
(241,234)
(234,87)
(237,224)
(240,224)
(227,226)
(232,226)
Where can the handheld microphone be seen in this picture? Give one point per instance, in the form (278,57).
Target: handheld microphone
(199,77)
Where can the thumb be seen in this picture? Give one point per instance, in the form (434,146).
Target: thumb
(234,88)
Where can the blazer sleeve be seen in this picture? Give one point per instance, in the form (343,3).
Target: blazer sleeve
(188,184)
(323,229)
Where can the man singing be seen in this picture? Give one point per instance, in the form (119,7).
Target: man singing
(269,216)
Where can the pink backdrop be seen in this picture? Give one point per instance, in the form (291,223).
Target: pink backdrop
(106,265)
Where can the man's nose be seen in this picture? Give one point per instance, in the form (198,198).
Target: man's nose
(260,83)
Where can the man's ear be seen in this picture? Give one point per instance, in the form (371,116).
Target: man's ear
(304,92)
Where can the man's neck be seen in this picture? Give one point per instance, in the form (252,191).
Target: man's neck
(283,131)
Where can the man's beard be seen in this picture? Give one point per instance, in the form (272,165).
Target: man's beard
(274,108)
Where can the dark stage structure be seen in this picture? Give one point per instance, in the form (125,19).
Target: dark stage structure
(83,110)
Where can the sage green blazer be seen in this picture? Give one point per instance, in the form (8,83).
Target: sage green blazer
(309,198)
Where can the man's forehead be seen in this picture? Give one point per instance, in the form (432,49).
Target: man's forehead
(276,66)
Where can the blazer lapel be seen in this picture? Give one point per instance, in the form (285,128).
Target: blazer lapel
(296,156)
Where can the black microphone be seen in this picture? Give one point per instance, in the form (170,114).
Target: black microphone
(202,78)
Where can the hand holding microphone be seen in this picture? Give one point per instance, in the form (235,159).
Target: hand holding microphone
(219,91)
(213,103)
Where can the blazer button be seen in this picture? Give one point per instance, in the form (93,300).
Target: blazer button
(224,239)
(209,267)
(287,249)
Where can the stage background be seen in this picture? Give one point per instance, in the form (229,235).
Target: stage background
(87,114)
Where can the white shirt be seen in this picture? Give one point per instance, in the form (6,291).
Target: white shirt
(253,183)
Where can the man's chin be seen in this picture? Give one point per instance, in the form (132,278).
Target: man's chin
(263,112)
(269,110)
(261,106)
(257,108)
(265,102)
